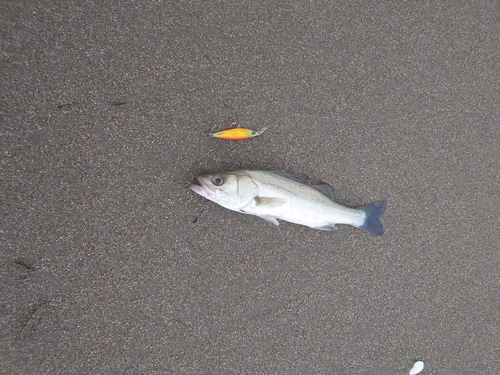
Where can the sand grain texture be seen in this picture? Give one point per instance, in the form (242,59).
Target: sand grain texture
(106,109)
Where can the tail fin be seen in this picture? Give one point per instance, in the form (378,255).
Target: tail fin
(373,213)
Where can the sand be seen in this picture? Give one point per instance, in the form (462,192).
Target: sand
(109,264)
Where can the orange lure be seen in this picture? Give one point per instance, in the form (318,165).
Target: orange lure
(237,134)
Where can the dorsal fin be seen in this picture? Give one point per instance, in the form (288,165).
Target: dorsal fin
(291,176)
(319,185)
(325,189)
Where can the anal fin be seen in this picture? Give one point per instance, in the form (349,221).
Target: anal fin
(327,227)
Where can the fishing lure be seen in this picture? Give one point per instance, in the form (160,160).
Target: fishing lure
(237,134)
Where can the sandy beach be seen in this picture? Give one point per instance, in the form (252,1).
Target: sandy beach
(109,264)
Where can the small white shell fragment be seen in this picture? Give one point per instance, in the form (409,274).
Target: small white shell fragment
(417,367)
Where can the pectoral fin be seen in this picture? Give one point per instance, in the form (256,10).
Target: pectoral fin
(269,202)
(263,203)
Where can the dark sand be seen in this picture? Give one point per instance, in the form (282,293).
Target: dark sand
(109,264)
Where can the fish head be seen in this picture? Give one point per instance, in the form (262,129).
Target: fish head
(232,190)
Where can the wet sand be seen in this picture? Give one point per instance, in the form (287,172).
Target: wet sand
(109,264)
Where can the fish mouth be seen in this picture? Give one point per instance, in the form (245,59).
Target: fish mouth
(200,187)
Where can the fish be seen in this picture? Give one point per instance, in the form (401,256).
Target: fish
(237,134)
(273,195)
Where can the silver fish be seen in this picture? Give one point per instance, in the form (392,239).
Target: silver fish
(275,195)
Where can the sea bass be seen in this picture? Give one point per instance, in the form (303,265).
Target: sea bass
(275,195)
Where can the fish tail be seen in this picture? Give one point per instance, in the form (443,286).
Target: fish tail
(372,222)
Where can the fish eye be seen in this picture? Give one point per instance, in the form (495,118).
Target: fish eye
(217,180)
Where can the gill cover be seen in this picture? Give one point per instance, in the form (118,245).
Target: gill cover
(247,189)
